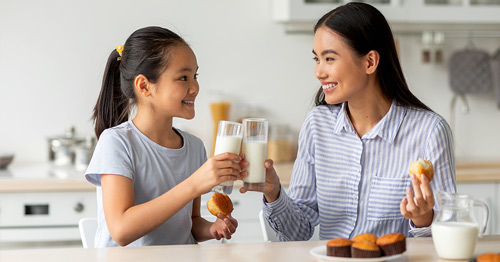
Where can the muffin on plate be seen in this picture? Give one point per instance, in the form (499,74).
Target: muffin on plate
(488,257)
(365,249)
(365,237)
(339,247)
(392,244)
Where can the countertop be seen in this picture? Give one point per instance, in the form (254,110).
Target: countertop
(42,178)
(473,172)
(418,249)
(48,178)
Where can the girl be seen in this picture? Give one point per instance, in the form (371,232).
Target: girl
(356,145)
(149,175)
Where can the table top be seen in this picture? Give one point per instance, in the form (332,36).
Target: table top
(418,249)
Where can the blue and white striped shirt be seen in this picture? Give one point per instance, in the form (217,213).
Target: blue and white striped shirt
(350,185)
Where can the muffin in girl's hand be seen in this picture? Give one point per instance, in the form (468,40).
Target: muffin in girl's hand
(365,249)
(220,204)
(392,244)
(422,167)
(365,236)
(339,247)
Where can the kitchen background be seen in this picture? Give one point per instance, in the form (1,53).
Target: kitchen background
(53,53)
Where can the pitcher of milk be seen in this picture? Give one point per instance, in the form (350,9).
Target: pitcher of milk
(455,229)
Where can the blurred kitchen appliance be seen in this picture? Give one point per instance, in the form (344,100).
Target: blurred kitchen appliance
(83,153)
(61,148)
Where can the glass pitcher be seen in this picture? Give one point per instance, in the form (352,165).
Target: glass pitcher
(455,229)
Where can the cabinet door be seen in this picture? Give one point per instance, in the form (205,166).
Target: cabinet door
(485,192)
(246,211)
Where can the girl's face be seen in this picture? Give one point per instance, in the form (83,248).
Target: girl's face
(338,69)
(176,90)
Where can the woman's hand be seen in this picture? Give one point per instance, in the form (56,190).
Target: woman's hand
(217,169)
(223,227)
(418,205)
(273,187)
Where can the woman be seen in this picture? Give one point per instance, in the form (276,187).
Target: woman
(356,145)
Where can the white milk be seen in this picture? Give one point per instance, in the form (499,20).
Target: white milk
(454,240)
(255,153)
(225,144)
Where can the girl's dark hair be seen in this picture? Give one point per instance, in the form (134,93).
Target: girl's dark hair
(145,52)
(363,29)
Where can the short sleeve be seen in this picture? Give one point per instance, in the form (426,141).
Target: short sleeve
(112,155)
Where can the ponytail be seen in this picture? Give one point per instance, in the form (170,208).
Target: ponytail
(112,107)
(145,52)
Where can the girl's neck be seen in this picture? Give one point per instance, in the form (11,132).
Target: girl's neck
(158,129)
(366,113)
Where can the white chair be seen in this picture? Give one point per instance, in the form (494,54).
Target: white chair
(270,235)
(88,228)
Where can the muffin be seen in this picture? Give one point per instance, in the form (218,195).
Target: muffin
(365,237)
(365,249)
(488,257)
(339,247)
(422,167)
(392,244)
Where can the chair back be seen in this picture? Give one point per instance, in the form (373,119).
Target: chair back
(88,228)
(270,235)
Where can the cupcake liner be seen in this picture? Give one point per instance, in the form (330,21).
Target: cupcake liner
(394,248)
(360,253)
(344,251)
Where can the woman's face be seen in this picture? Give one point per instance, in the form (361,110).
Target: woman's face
(177,88)
(338,69)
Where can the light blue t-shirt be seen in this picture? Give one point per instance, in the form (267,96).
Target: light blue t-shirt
(154,169)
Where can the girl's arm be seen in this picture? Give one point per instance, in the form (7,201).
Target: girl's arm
(128,222)
(203,230)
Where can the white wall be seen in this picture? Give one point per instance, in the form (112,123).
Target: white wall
(53,53)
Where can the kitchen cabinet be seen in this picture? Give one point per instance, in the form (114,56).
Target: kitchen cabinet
(489,193)
(40,206)
(246,211)
(301,15)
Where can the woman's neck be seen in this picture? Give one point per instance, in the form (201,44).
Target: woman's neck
(158,129)
(366,113)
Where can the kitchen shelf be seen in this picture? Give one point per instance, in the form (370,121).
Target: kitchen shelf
(299,16)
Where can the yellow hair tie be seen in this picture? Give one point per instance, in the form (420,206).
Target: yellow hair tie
(119,49)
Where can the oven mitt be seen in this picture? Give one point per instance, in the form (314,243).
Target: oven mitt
(495,71)
(470,71)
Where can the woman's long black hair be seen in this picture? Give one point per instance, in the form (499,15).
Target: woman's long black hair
(145,52)
(364,28)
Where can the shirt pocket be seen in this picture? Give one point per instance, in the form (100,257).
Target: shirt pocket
(385,198)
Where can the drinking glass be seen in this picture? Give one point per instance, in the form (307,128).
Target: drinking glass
(255,133)
(228,139)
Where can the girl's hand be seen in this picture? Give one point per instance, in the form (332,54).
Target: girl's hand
(217,169)
(223,227)
(418,206)
(273,187)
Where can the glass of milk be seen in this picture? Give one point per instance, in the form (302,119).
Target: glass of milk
(229,135)
(454,228)
(255,132)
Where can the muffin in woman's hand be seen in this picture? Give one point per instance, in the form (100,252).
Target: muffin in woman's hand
(220,204)
(339,247)
(365,237)
(488,257)
(422,167)
(392,244)
(365,249)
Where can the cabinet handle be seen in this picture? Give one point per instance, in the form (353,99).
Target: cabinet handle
(79,207)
